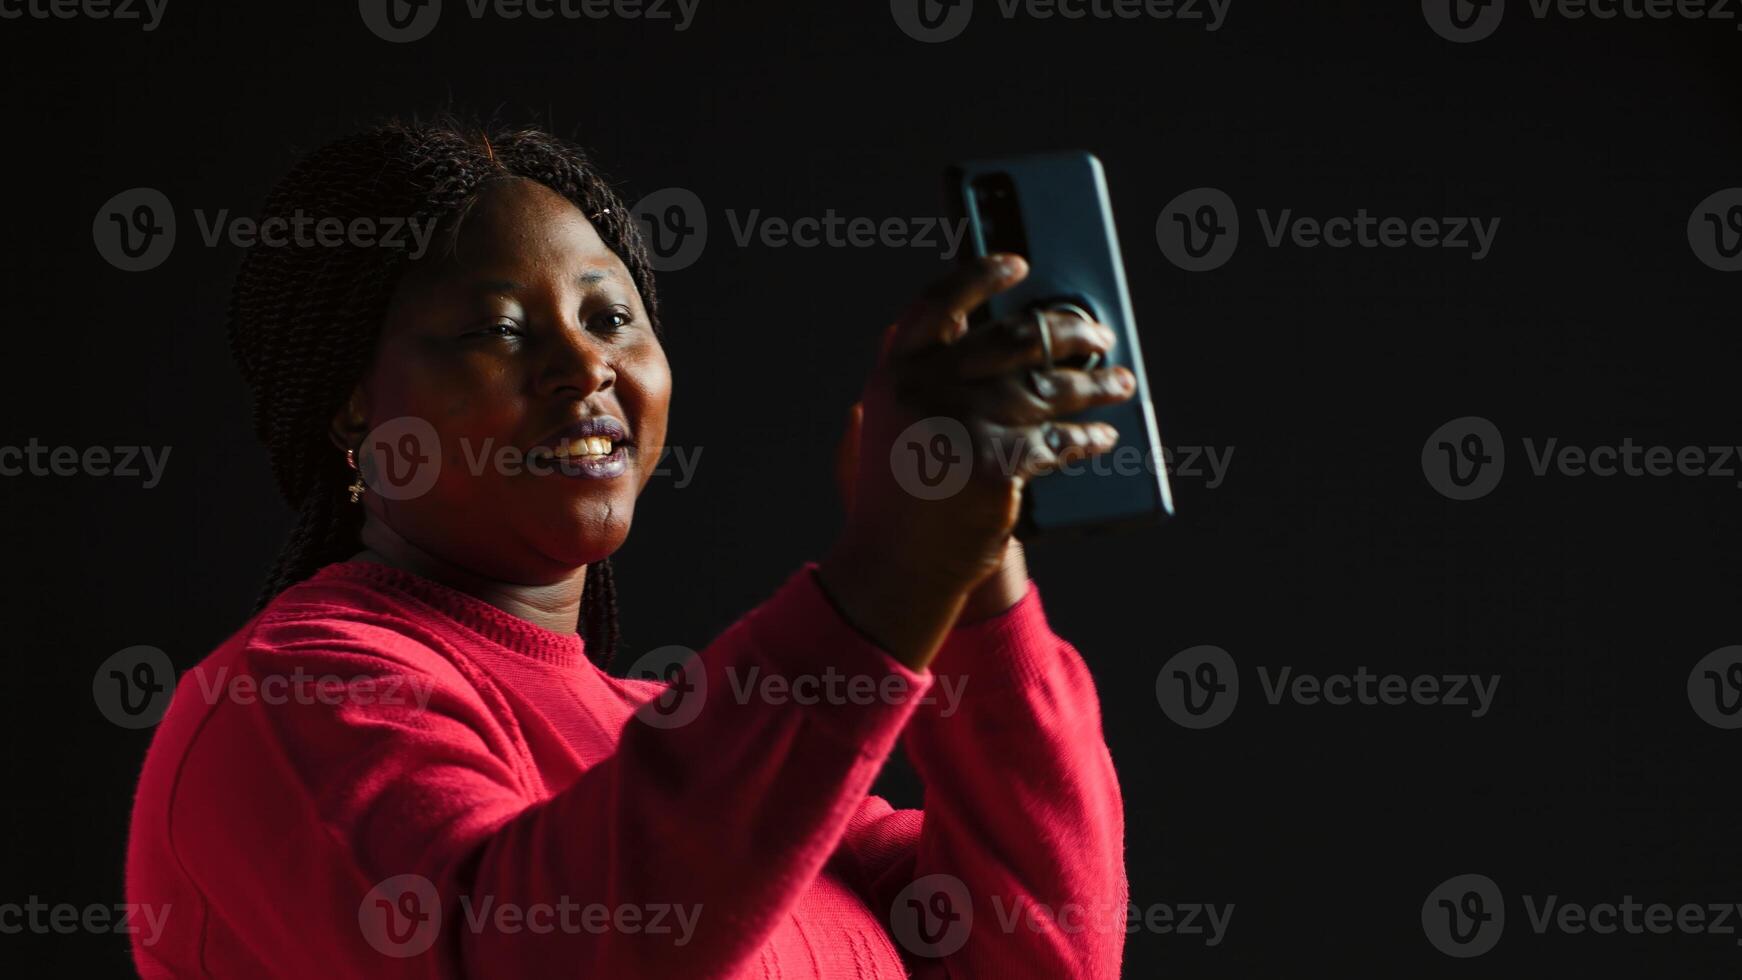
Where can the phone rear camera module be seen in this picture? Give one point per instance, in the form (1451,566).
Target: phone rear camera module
(1000,214)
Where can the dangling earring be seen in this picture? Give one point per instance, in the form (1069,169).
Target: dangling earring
(356,487)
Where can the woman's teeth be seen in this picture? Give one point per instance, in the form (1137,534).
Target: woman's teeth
(585,446)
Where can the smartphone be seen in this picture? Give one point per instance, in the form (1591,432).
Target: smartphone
(1054,211)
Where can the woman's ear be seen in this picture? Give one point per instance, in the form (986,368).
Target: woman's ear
(351,421)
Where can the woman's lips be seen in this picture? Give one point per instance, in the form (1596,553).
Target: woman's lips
(592,449)
(589,458)
(594,466)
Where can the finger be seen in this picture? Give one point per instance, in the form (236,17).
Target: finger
(1016,342)
(1036,396)
(1044,448)
(941,313)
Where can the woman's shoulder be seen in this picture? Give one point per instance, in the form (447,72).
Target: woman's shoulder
(331,656)
(339,639)
(259,734)
(349,609)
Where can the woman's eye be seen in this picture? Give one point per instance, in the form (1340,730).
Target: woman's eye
(612,320)
(500,328)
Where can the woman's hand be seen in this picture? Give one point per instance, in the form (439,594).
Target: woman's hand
(954,425)
(999,592)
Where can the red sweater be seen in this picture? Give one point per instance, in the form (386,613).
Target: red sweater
(382,777)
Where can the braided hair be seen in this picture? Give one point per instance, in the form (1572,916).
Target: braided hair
(304,318)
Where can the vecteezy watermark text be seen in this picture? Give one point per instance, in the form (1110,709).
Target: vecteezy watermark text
(934,916)
(35,459)
(1200,229)
(38,917)
(1464,21)
(688,687)
(135,230)
(933,459)
(935,21)
(149,13)
(402,916)
(1199,687)
(302,687)
(1465,458)
(676,230)
(403,458)
(1465,916)
(404,21)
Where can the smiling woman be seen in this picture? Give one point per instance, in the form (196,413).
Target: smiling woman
(446,782)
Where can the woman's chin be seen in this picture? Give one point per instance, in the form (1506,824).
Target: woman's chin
(592,534)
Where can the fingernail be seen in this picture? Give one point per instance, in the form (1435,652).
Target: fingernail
(1008,266)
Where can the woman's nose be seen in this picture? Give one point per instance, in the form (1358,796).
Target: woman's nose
(577,364)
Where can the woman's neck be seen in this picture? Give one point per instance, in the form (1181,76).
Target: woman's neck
(555,606)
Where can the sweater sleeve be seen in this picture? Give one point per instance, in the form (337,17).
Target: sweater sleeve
(1016,867)
(368,839)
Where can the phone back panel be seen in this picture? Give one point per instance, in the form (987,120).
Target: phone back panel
(1073,253)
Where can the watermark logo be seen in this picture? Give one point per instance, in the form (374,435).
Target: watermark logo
(133,687)
(1715,230)
(1198,687)
(401,916)
(1715,688)
(1199,230)
(1464,916)
(932,21)
(1465,458)
(303,688)
(686,687)
(932,458)
(400,21)
(1463,21)
(570,917)
(1207,920)
(404,21)
(401,459)
(135,230)
(933,916)
(685,678)
(675,226)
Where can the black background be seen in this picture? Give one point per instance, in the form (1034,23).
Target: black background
(1323,370)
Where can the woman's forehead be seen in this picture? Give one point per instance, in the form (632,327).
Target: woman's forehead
(516,228)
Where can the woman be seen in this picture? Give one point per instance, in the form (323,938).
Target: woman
(410,763)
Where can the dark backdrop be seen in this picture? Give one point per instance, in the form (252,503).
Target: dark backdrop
(1324,371)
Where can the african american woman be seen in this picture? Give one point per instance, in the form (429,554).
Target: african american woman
(449,783)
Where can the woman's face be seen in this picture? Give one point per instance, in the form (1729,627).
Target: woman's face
(527,349)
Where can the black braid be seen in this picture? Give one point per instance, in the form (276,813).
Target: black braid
(304,319)
(599,612)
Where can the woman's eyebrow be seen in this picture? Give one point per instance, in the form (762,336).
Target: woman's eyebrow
(591,277)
